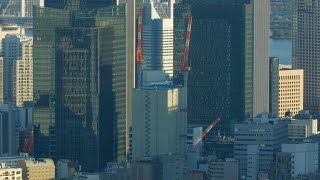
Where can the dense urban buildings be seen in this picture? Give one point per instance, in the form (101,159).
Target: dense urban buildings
(291,84)
(220,83)
(305,40)
(80,110)
(261,138)
(41,169)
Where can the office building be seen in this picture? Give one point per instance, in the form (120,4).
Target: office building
(274,87)
(8,29)
(223,170)
(89,123)
(291,84)
(165,167)
(261,14)
(11,161)
(117,171)
(12,51)
(157,36)
(78,4)
(302,126)
(159,123)
(10,173)
(268,133)
(297,159)
(8,141)
(65,169)
(27,7)
(1,80)
(305,49)
(24,74)
(41,169)
(220,83)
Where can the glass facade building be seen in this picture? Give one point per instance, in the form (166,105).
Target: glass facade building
(220,83)
(80,85)
(78,4)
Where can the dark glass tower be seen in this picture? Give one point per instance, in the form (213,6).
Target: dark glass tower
(80,85)
(78,4)
(274,87)
(220,83)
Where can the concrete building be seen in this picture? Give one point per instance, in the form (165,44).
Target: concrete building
(302,126)
(117,171)
(268,134)
(261,23)
(8,29)
(41,169)
(252,162)
(297,159)
(13,49)
(223,170)
(157,36)
(27,7)
(274,86)
(305,44)
(159,121)
(10,173)
(65,169)
(291,83)
(165,167)
(24,74)
(12,160)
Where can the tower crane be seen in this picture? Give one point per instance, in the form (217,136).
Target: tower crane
(139,60)
(205,132)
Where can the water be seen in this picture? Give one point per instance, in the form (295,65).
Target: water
(281,48)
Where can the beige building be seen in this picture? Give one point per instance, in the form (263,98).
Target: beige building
(290,91)
(42,169)
(10,173)
(24,73)
(223,170)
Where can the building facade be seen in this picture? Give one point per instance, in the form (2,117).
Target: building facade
(291,85)
(23,87)
(305,40)
(223,170)
(268,134)
(297,159)
(159,121)
(217,28)
(274,86)
(42,169)
(77,104)
(10,173)
(1,80)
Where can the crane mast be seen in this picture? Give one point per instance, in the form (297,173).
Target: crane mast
(184,65)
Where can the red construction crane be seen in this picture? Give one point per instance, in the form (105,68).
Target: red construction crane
(206,132)
(139,60)
(28,143)
(184,58)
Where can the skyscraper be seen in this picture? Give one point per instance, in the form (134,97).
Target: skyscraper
(81,87)
(220,83)
(78,4)
(157,36)
(306,36)
(274,87)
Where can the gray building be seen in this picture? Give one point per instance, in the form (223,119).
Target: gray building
(8,142)
(306,40)
(267,133)
(274,87)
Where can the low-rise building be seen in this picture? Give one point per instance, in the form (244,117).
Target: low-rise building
(41,169)
(12,160)
(223,169)
(10,173)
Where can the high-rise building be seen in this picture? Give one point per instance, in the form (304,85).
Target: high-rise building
(220,83)
(80,85)
(41,169)
(78,4)
(23,86)
(305,55)
(159,121)
(157,36)
(10,29)
(261,14)
(291,83)
(27,7)
(274,87)
(267,134)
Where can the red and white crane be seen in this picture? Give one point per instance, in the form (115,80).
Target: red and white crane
(139,59)
(206,132)
(184,57)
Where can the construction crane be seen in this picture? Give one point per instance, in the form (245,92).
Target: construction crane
(184,58)
(205,132)
(139,60)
